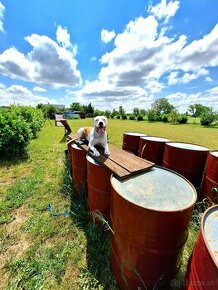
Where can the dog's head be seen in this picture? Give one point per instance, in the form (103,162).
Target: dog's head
(100,123)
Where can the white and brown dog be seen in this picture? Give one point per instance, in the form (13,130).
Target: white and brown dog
(96,135)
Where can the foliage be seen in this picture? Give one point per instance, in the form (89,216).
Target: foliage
(182,118)
(197,110)
(124,117)
(49,111)
(162,106)
(174,114)
(132,117)
(76,107)
(98,113)
(152,115)
(140,118)
(15,134)
(165,118)
(207,119)
(18,125)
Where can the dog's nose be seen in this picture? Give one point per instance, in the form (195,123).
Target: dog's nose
(101,124)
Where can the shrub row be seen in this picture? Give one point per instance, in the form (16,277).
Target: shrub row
(18,125)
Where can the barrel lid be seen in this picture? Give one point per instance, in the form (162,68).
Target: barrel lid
(157,189)
(135,134)
(91,160)
(157,139)
(188,146)
(75,146)
(214,153)
(210,227)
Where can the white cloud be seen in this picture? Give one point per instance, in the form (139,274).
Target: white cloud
(17,94)
(39,89)
(183,100)
(47,63)
(163,10)
(200,53)
(107,36)
(145,59)
(208,79)
(2,9)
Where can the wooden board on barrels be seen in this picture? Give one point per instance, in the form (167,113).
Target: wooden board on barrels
(121,163)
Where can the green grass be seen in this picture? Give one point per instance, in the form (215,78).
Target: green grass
(40,251)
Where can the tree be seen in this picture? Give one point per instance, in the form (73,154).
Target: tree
(136,112)
(90,109)
(197,110)
(76,107)
(162,106)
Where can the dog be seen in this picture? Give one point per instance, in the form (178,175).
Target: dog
(96,135)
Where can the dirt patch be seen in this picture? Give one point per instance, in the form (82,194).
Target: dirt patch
(21,244)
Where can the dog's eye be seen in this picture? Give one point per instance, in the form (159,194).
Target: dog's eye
(97,120)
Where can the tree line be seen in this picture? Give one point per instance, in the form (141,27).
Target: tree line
(160,110)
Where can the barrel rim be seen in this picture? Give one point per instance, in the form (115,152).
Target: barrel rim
(160,139)
(204,149)
(214,151)
(205,214)
(75,146)
(92,160)
(138,134)
(159,210)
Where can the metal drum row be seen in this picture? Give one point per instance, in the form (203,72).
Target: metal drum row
(196,163)
(149,215)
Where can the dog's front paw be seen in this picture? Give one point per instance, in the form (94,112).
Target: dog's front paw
(107,152)
(95,152)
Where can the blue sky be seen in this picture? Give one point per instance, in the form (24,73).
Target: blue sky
(109,53)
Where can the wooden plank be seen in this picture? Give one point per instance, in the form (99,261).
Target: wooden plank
(129,161)
(66,125)
(113,167)
(121,170)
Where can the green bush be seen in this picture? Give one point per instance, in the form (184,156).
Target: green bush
(34,117)
(15,134)
(140,118)
(182,119)
(132,117)
(165,119)
(118,117)
(207,119)
(152,115)
(18,125)
(124,116)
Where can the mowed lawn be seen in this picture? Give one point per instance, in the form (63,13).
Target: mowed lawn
(40,251)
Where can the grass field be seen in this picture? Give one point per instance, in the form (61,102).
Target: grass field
(40,251)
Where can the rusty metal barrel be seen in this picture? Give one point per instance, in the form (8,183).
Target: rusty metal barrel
(152,148)
(189,160)
(131,141)
(99,188)
(210,182)
(150,215)
(202,273)
(78,167)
